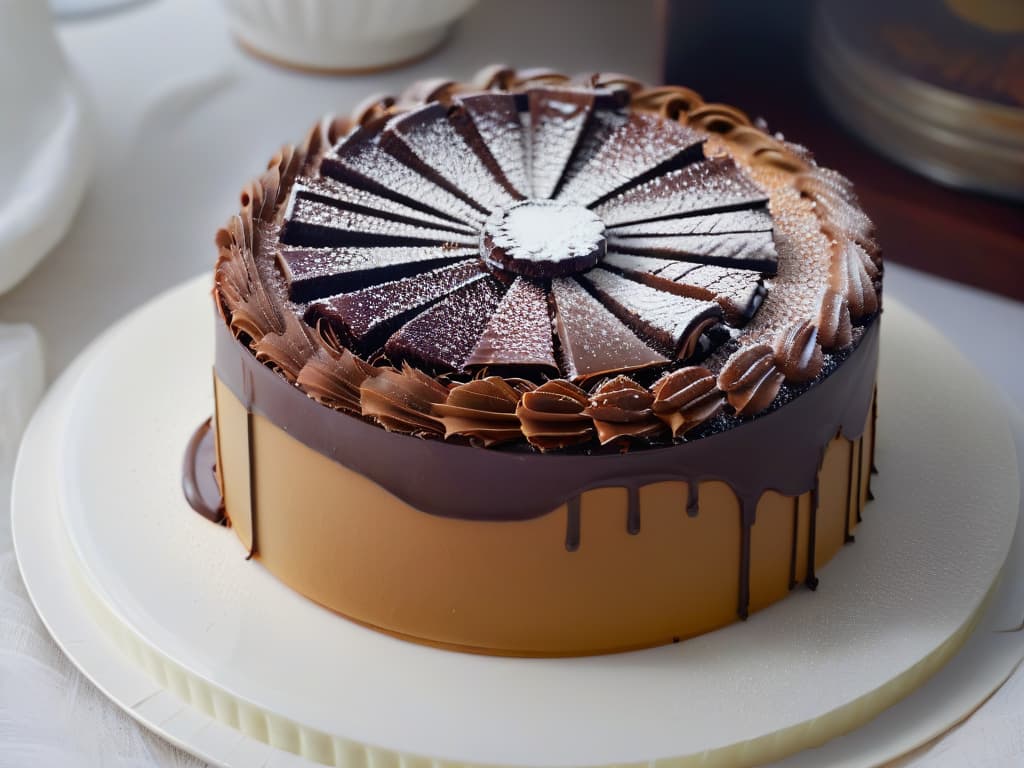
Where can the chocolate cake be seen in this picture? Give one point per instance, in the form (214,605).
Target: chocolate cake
(536,365)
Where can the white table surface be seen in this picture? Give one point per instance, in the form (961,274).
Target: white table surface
(165,74)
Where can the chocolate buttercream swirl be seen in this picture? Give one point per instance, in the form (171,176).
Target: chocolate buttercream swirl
(835,330)
(552,416)
(852,274)
(687,398)
(333,376)
(484,410)
(670,101)
(797,352)
(402,400)
(750,379)
(289,350)
(836,205)
(621,410)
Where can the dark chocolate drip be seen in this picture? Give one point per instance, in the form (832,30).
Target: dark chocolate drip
(852,496)
(793,545)
(572,525)
(860,504)
(748,511)
(252,482)
(198,476)
(692,505)
(633,510)
(874,431)
(522,485)
(812,532)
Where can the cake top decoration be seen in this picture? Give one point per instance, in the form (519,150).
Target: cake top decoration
(596,235)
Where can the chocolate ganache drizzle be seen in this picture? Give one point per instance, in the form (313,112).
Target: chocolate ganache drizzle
(530,263)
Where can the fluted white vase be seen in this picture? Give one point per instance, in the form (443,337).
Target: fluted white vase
(343,35)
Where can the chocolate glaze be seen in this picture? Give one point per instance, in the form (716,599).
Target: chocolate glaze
(692,507)
(793,545)
(811,580)
(198,479)
(748,513)
(852,497)
(633,511)
(520,485)
(860,476)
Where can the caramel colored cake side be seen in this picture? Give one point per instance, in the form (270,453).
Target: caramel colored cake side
(542,366)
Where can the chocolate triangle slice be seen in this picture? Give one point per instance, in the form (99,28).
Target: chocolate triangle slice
(557,119)
(519,334)
(710,185)
(495,120)
(310,222)
(367,317)
(753,220)
(312,273)
(360,162)
(738,292)
(600,126)
(342,195)
(436,143)
(643,146)
(593,341)
(746,250)
(674,322)
(444,336)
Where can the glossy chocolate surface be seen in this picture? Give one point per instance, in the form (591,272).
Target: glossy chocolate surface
(484,484)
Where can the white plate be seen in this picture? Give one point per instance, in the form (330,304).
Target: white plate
(101,462)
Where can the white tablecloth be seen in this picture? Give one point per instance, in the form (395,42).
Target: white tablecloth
(184,118)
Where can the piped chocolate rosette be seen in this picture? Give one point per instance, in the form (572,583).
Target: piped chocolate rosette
(533,258)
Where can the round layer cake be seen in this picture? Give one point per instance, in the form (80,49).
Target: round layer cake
(537,365)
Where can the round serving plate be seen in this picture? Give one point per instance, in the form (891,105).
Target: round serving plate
(162,611)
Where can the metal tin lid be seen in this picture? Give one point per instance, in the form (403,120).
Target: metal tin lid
(929,88)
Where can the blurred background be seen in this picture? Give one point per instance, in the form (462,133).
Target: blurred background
(920,102)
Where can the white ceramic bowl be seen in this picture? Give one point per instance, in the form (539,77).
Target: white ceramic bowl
(342,35)
(46,139)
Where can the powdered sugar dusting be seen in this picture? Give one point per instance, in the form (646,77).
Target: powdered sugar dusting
(363,314)
(497,121)
(794,293)
(557,118)
(667,317)
(313,273)
(687,237)
(311,222)
(334,192)
(640,145)
(368,166)
(600,126)
(705,186)
(594,341)
(753,250)
(445,334)
(519,333)
(434,140)
(547,231)
(753,220)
